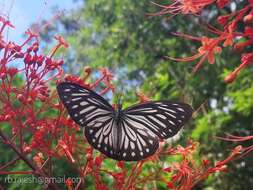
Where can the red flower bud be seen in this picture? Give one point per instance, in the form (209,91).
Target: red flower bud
(7,117)
(205,162)
(98,160)
(248,18)
(168,169)
(28,59)
(222,3)
(1,118)
(48,61)
(3,76)
(12,71)
(170,185)
(69,184)
(120,164)
(35,48)
(222,20)
(230,78)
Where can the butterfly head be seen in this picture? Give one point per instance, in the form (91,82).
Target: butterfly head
(119,104)
(118,101)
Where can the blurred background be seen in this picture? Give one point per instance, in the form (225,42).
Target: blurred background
(119,35)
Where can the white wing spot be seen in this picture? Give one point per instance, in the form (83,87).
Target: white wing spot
(142,141)
(141,153)
(99,145)
(167,109)
(93,140)
(98,124)
(81,90)
(132,145)
(170,115)
(75,99)
(157,121)
(98,133)
(81,121)
(147,149)
(83,103)
(161,116)
(150,141)
(74,106)
(181,109)
(105,148)
(126,143)
(124,154)
(171,122)
(87,109)
(106,140)
(78,94)
(133,154)
(67,90)
(91,131)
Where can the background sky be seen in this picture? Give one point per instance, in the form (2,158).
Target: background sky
(22,13)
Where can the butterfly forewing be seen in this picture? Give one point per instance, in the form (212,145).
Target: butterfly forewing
(159,118)
(83,105)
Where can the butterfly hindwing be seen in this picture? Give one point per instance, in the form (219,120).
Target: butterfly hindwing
(135,144)
(83,105)
(120,140)
(159,118)
(101,135)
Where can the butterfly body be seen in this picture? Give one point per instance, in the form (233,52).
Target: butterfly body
(129,134)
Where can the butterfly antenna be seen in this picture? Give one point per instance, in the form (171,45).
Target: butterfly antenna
(201,108)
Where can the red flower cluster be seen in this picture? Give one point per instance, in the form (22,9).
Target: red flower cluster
(228,35)
(183,7)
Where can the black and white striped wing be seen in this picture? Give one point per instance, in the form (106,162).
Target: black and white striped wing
(84,106)
(158,118)
(121,140)
(135,134)
(135,143)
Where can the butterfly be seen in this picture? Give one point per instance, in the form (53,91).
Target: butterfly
(131,134)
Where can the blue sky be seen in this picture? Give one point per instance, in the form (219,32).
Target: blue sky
(24,12)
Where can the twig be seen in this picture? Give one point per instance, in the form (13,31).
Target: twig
(9,163)
(36,170)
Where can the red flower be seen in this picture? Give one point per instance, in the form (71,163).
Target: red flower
(69,184)
(222,3)
(183,7)
(207,51)
(98,160)
(170,185)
